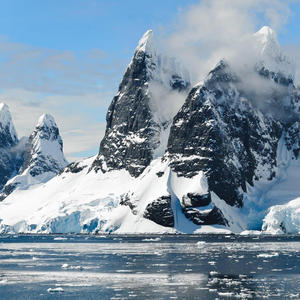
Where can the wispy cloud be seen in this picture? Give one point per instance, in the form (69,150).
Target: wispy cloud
(80,129)
(211,30)
(52,71)
(75,88)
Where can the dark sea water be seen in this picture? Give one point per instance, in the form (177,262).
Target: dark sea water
(149,267)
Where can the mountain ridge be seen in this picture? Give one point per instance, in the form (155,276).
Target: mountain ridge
(211,162)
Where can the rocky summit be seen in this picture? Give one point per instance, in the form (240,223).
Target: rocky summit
(11,153)
(133,132)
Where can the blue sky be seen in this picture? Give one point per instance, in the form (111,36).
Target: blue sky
(84,24)
(67,57)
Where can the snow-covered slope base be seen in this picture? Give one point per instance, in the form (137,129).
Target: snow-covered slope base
(81,201)
(274,206)
(284,215)
(283,218)
(67,203)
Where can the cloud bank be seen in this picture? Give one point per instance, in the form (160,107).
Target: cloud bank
(215,29)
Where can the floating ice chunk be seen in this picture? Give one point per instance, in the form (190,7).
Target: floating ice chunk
(200,243)
(251,232)
(76,268)
(212,273)
(225,294)
(67,266)
(152,240)
(60,239)
(266,255)
(55,290)
(64,266)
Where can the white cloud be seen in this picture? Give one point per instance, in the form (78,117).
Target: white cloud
(293,52)
(211,30)
(59,72)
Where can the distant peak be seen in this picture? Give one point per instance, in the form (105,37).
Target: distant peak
(146,42)
(6,122)
(267,30)
(5,115)
(266,35)
(4,107)
(46,120)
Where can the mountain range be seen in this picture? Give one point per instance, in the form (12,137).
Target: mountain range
(217,156)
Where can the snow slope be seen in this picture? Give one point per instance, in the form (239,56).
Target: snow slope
(74,202)
(284,214)
(283,218)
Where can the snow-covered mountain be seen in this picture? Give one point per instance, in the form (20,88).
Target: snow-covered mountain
(43,157)
(11,151)
(220,156)
(152,90)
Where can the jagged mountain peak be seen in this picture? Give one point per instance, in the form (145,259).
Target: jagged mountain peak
(146,43)
(8,132)
(46,120)
(45,143)
(269,53)
(267,42)
(4,107)
(47,129)
(266,33)
(150,93)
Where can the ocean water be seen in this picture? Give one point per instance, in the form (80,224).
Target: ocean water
(149,267)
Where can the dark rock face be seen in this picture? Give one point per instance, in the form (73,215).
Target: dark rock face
(224,134)
(125,200)
(131,132)
(74,167)
(8,189)
(160,211)
(8,166)
(212,217)
(11,156)
(292,138)
(200,210)
(6,139)
(195,200)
